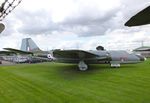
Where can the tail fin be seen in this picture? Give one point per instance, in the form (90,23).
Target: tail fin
(29,45)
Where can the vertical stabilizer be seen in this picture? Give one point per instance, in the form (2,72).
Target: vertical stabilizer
(29,45)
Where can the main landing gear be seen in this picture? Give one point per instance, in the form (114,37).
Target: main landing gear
(115,65)
(82,66)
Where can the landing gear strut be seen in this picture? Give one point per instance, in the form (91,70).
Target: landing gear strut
(82,66)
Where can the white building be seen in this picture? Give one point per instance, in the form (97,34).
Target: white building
(144,50)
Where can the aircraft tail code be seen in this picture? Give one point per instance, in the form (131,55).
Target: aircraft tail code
(29,45)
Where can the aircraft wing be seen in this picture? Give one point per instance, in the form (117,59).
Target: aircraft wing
(141,18)
(18,51)
(74,54)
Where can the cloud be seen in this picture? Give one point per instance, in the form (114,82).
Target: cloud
(38,22)
(83,18)
(69,23)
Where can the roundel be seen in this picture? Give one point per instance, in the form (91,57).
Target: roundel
(49,56)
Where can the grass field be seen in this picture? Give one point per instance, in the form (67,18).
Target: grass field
(62,83)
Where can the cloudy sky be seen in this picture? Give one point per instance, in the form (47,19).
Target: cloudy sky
(75,24)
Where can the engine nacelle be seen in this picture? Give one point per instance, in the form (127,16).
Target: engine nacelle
(2,27)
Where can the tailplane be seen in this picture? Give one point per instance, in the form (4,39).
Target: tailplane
(29,45)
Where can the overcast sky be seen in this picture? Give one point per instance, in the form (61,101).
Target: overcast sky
(75,24)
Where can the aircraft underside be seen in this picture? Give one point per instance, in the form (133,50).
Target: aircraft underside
(83,64)
(83,58)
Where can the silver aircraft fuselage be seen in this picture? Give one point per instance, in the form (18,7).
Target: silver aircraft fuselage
(83,58)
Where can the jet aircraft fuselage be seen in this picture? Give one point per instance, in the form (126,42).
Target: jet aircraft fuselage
(83,58)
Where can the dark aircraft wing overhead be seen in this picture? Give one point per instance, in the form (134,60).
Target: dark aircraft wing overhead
(74,54)
(141,18)
(18,51)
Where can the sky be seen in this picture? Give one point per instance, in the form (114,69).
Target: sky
(75,24)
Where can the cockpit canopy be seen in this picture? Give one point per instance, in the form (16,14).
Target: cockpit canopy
(100,48)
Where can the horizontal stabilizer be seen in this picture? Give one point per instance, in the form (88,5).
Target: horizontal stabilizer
(18,51)
(7,52)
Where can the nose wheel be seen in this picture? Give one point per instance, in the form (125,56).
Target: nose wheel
(82,66)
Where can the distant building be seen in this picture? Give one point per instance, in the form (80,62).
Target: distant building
(144,50)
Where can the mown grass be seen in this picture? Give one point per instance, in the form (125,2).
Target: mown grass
(64,83)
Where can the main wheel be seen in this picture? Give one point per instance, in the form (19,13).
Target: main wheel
(82,66)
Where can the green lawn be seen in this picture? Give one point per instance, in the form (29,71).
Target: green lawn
(63,83)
